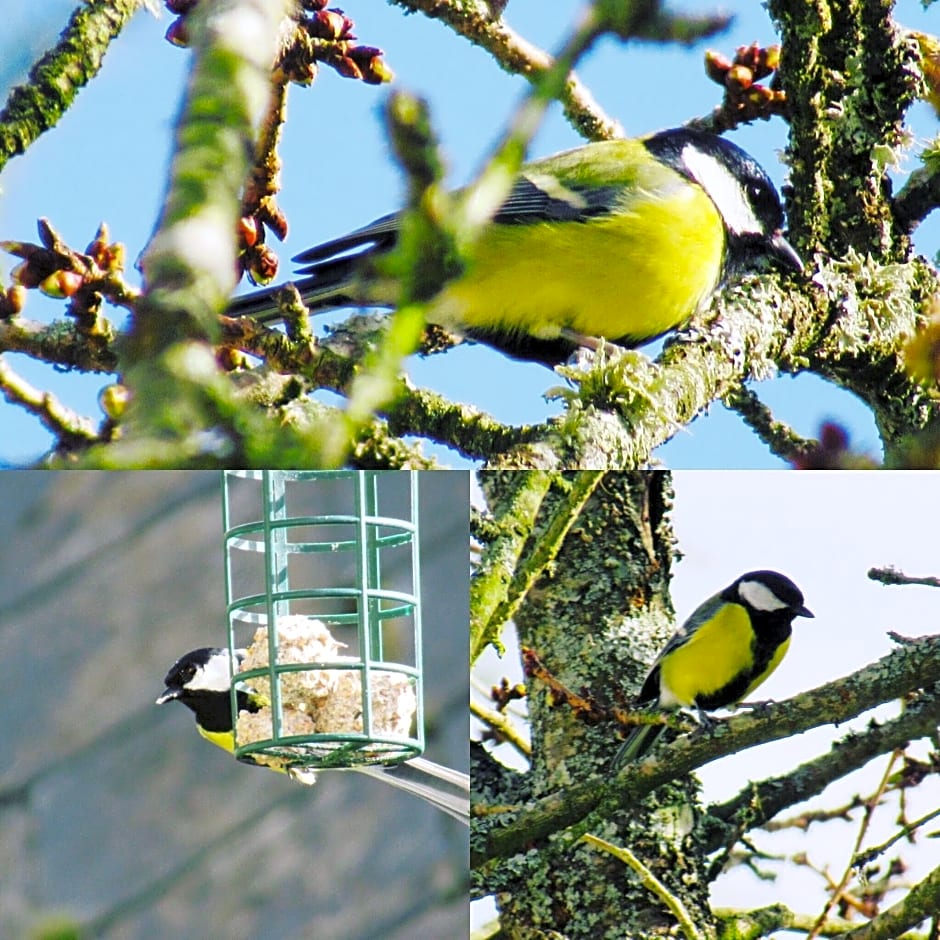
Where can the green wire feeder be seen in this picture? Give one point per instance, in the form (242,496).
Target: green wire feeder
(334,700)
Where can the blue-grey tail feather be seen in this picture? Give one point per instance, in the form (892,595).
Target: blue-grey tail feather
(638,742)
(332,285)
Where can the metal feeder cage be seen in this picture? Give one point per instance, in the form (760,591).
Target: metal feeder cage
(280,546)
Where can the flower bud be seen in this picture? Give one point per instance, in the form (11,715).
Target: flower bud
(113,400)
(61,284)
(276,220)
(716,66)
(178,33)
(262,265)
(372,68)
(12,301)
(330,24)
(249,231)
(739,77)
(230,358)
(769,61)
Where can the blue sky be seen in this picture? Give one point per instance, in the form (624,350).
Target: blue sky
(107,160)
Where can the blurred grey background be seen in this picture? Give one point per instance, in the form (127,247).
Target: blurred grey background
(115,814)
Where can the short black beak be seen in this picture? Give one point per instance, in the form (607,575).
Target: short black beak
(785,255)
(170,694)
(803,611)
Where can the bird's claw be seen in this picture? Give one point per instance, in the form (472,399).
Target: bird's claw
(763,707)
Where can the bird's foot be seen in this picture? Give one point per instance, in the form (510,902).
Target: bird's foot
(591,350)
(763,707)
(705,721)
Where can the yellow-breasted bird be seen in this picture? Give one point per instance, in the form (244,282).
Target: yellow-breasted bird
(620,239)
(728,646)
(201,681)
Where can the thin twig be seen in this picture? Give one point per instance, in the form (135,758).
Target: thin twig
(864,858)
(67,425)
(503,727)
(778,436)
(651,883)
(850,866)
(520,57)
(890,575)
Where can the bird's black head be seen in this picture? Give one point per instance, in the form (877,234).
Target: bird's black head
(768,593)
(201,680)
(741,191)
(207,670)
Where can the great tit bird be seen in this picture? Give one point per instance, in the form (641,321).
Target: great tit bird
(620,239)
(729,645)
(201,681)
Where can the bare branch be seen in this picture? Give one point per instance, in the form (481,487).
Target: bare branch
(67,425)
(763,800)
(921,902)
(890,575)
(520,57)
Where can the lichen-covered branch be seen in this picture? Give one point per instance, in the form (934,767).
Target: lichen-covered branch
(469,431)
(913,666)
(60,343)
(850,327)
(779,437)
(190,263)
(755,924)
(564,515)
(56,78)
(850,76)
(921,902)
(515,520)
(622,409)
(764,799)
(920,195)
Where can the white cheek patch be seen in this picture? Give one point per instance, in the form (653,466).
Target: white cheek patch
(215,676)
(759,596)
(724,188)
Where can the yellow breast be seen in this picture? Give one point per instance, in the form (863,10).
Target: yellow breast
(717,653)
(630,276)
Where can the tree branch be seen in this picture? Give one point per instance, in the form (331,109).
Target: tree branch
(494,575)
(779,437)
(66,425)
(519,57)
(533,566)
(891,576)
(921,902)
(913,666)
(62,343)
(763,800)
(55,80)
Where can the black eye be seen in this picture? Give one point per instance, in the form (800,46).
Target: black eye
(766,205)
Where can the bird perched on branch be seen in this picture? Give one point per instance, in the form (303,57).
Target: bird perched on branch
(620,239)
(729,645)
